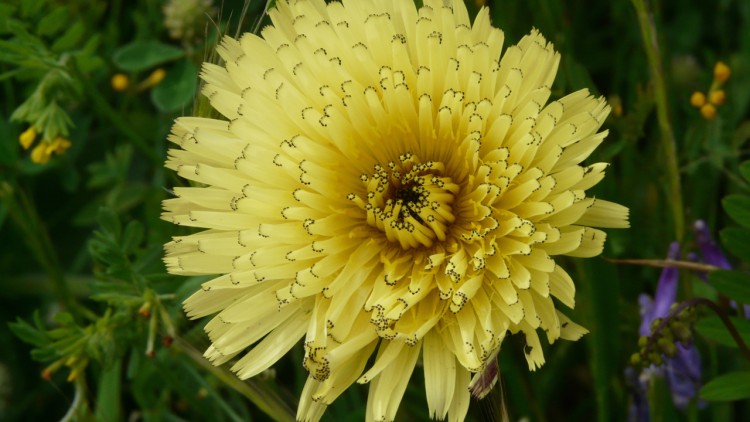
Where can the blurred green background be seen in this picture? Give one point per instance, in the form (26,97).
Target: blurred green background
(81,232)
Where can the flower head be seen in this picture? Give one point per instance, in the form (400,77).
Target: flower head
(385,179)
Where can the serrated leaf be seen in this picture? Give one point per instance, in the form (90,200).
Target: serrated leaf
(738,207)
(178,87)
(142,55)
(727,387)
(737,241)
(714,329)
(733,284)
(745,170)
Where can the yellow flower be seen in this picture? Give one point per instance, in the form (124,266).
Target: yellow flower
(156,77)
(717,97)
(385,178)
(120,82)
(697,99)
(721,72)
(27,137)
(708,111)
(41,153)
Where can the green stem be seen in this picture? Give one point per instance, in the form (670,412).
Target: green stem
(23,212)
(648,32)
(266,400)
(116,120)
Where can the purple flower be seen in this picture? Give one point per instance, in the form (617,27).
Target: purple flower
(666,293)
(638,383)
(711,252)
(683,371)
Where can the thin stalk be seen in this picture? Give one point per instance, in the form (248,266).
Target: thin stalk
(666,263)
(267,401)
(23,212)
(103,108)
(650,43)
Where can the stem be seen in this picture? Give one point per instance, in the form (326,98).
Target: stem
(667,263)
(694,302)
(103,107)
(648,32)
(23,212)
(267,401)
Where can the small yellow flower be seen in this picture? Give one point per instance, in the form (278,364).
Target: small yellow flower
(120,82)
(721,72)
(708,111)
(717,97)
(60,145)
(697,99)
(40,154)
(156,76)
(616,103)
(27,137)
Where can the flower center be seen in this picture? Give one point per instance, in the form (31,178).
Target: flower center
(410,201)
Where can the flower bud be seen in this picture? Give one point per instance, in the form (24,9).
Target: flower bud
(697,99)
(120,82)
(717,97)
(708,111)
(27,137)
(721,72)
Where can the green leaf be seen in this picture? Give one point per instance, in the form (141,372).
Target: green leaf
(727,387)
(737,241)
(110,222)
(54,21)
(142,55)
(714,329)
(28,333)
(745,170)
(733,284)
(70,38)
(738,207)
(132,237)
(177,89)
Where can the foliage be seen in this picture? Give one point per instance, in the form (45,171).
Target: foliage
(97,329)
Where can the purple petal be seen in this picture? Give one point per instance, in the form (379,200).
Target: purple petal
(666,291)
(684,375)
(712,253)
(639,409)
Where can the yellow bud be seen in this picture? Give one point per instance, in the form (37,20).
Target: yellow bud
(156,76)
(616,103)
(120,82)
(480,3)
(74,374)
(708,111)
(721,72)
(27,137)
(717,97)
(697,99)
(60,145)
(39,154)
